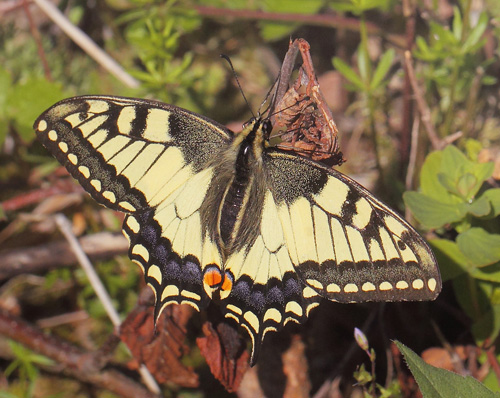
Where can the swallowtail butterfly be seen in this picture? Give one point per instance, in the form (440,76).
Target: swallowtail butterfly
(214,215)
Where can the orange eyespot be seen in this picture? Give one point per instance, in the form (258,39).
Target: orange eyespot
(227,285)
(212,278)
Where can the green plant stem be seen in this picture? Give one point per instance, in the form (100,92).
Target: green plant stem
(450,113)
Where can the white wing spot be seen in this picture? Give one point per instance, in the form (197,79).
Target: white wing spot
(418,284)
(155,273)
(191,295)
(133,224)
(274,314)
(141,251)
(431,283)
(252,320)
(402,285)
(52,135)
(42,125)
(307,292)
(169,291)
(310,307)
(384,286)
(315,284)
(368,287)
(351,288)
(109,196)
(333,288)
(236,310)
(294,308)
(72,158)
(85,171)
(127,206)
(63,146)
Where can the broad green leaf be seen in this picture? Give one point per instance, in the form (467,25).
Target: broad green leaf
(382,69)
(432,213)
(429,182)
(348,72)
(493,195)
(440,383)
(490,273)
(482,171)
(452,262)
(479,208)
(453,161)
(479,246)
(454,168)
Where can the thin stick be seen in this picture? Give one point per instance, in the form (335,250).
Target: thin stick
(36,36)
(413,154)
(87,45)
(421,104)
(65,228)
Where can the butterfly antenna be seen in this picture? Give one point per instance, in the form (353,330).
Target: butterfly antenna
(237,81)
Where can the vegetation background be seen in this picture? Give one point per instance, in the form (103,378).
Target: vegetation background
(413,87)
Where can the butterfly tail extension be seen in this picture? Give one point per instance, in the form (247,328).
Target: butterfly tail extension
(266,292)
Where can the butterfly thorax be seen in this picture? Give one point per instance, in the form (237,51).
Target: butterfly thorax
(243,190)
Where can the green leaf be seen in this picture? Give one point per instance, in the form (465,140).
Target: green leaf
(472,148)
(348,72)
(440,383)
(479,246)
(493,196)
(454,168)
(364,65)
(479,208)
(457,23)
(28,100)
(429,180)
(452,262)
(432,213)
(475,34)
(489,273)
(382,69)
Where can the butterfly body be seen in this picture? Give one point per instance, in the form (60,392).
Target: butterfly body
(216,215)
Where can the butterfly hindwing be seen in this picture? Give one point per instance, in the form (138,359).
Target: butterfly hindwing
(266,292)
(152,161)
(343,242)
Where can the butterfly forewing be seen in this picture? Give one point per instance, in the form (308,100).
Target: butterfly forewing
(152,161)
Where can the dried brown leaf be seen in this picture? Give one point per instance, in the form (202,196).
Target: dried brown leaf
(161,350)
(303,113)
(225,353)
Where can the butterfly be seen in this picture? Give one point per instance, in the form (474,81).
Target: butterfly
(213,215)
